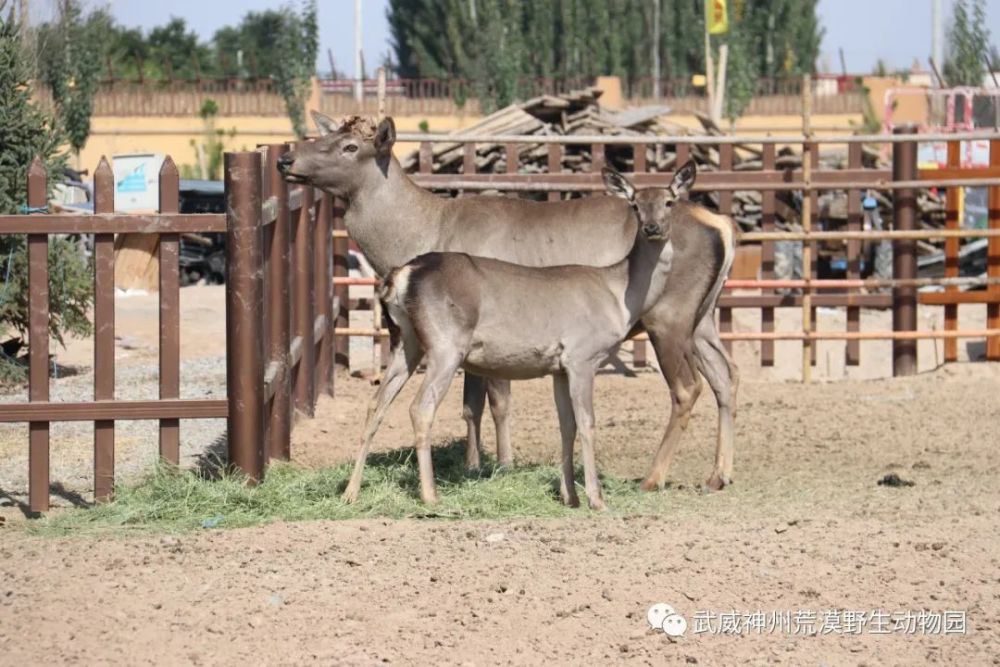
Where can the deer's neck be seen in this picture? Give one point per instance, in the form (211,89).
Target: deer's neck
(391,219)
(645,272)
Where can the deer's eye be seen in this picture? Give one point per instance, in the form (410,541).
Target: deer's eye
(351,148)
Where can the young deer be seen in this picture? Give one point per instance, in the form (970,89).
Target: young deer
(393,221)
(502,320)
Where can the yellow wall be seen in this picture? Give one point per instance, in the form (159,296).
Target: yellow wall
(115,135)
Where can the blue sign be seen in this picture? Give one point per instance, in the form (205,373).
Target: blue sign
(135,181)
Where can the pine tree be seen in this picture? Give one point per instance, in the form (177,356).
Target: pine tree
(25,132)
(70,56)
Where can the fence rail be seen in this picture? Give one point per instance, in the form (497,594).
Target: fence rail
(287,288)
(261,97)
(279,316)
(849,293)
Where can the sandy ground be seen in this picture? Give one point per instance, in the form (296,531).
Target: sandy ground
(804,529)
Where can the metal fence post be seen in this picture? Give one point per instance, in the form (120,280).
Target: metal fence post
(280,336)
(244,313)
(904,259)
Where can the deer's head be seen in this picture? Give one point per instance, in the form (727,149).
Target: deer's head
(653,206)
(343,155)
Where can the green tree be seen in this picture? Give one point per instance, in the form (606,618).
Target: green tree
(25,132)
(968,44)
(69,62)
(497,42)
(255,38)
(175,52)
(298,46)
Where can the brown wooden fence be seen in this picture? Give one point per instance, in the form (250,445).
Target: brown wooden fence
(279,307)
(852,293)
(286,248)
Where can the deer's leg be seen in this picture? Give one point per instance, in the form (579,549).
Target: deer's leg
(441,367)
(401,367)
(567,429)
(473,403)
(675,354)
(581,390)
(723,377)
(499,395)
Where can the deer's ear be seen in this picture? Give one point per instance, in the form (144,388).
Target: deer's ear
(617,185)
(385,136)
(684,178)
(324,124)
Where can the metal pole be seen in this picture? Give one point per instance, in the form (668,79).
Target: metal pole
(381,93)
(358,73)
(244,313)
(937,43)
(904,261)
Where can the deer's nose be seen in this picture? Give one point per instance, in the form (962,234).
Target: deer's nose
(651,230)
(285,162)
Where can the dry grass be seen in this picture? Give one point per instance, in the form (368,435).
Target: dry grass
(167,500)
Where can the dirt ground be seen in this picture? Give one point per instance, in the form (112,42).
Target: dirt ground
(805,529)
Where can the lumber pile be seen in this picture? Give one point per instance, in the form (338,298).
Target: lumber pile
(579,113)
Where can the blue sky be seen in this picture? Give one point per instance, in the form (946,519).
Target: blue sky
(895,30)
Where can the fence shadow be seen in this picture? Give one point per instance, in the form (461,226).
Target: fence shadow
(212,463)
(72,497)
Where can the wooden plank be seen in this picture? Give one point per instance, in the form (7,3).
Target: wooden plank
(955,171)
(104,333)
(114,223)
(597,159)
(170,314)
(951,248)
(42,412)
(555,166)
(639,349)
(795,300)
(852,351)
(38,344)
(767,257)
(708,181)
(993,259)
(956,298)
(726,208)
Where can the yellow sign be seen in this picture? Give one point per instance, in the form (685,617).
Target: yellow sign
(718,18)
(699,80)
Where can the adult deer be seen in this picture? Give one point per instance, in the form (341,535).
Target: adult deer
(507,321)
(393,221)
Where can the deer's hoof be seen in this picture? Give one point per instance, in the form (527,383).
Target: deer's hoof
(650,485)
(350,495)
(598,505)
(717,482)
